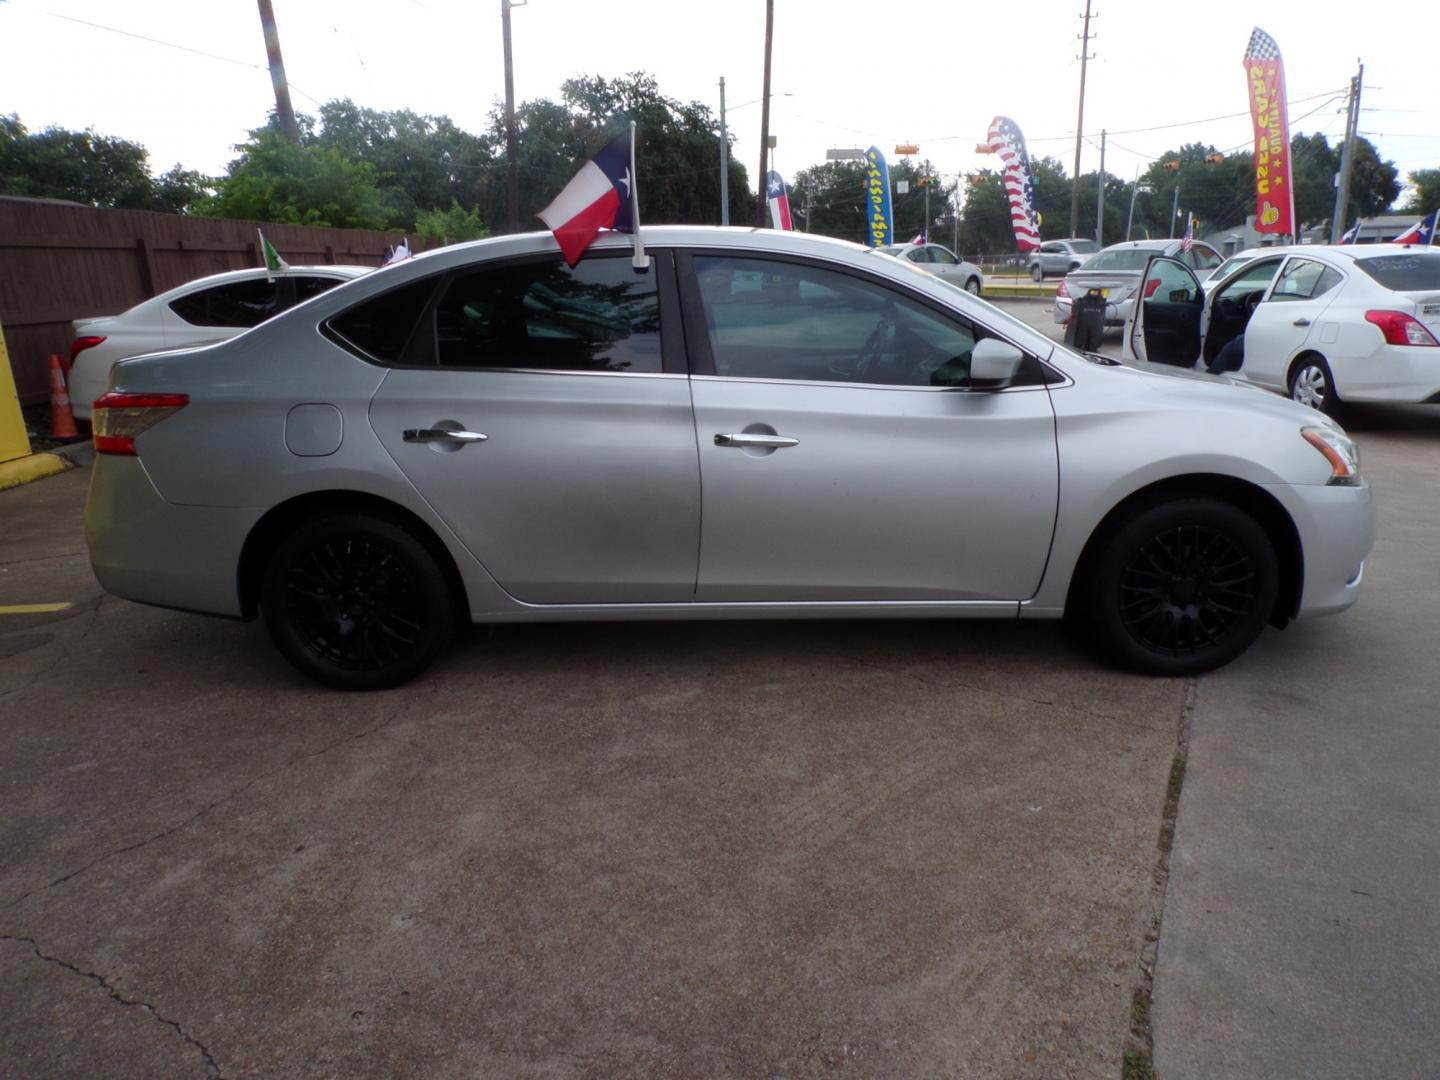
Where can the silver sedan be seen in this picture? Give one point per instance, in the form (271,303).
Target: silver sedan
(942,262)
(760,425)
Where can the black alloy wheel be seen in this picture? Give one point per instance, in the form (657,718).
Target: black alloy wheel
(1183,587)
(356,602)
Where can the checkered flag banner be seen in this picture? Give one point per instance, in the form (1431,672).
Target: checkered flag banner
(1262,47)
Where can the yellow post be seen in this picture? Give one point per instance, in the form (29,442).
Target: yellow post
(14,442)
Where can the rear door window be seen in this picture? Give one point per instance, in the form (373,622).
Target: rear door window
(540,314)
(1304,279)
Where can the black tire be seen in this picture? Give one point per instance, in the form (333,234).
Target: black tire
(1180,587)
(1312,384)
(1036,273)
(973,286)
(357,602)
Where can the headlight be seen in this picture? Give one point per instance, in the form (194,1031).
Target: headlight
(1339,450)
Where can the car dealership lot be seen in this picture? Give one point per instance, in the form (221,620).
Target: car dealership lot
(894,848)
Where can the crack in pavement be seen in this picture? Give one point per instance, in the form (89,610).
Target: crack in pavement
(211,1067)
(295,759)
(89,608)
(43,558)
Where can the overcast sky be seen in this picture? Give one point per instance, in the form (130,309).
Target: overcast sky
(853,74)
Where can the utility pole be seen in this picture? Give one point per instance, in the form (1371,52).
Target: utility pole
(1100,196)
(1347,159)
(765,118)
(1079,125)
(809,190)
(512,141)
(288,127)
(1174,211)
(724,160)
(1134,190)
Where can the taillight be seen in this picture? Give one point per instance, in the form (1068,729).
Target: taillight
(1151,286)
(80,344)
(1400,328)
(118,417)
(1060,289)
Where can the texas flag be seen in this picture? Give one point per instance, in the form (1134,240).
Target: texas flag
(1351,235)
(779,201)
(1422,232)
(601,196)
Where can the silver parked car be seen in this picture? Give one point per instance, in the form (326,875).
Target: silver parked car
(942,262)
(1061,256)
(1116,273)
(761,425)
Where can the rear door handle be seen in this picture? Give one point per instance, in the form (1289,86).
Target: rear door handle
(1302,322)
(432,435)
(745,438)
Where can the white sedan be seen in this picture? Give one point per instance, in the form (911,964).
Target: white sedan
(942,262)
(1322,324)
(200,312)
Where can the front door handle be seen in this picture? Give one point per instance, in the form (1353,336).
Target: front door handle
(1302,322)
(745,438)
(434,435)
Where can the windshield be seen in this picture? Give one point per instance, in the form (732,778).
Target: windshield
(1084,247)
(1230,264)
(1131,259)
(1404,273)
(893,249)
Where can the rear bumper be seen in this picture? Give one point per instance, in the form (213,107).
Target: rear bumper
(1393,373)
(1115,314)
(146,549)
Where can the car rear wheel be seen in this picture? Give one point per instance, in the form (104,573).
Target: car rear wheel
(356,602)
(973,286)
(1036,274)
(1180,587)
(1312,384)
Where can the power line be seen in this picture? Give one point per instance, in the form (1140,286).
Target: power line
(151,40)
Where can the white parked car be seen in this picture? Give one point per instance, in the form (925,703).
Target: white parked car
(1323,324)
(200,312)
(942,262)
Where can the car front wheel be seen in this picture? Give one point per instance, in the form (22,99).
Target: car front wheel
(973,286)
(1180,587)
(1312,384)
(356,602)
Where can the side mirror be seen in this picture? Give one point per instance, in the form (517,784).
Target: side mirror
(995,363)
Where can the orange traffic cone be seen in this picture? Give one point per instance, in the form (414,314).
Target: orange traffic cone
(62,420)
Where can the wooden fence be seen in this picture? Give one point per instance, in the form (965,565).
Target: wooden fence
(59,262)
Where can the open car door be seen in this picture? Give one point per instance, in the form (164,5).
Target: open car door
(1164,324)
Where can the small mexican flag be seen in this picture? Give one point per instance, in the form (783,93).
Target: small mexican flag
(273,262)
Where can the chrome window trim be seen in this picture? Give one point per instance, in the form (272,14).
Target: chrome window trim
(880,386)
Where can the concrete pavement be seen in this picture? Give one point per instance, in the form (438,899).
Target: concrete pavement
(1301,933)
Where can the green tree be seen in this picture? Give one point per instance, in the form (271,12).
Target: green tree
(274,179)
(1424,191)
(452,226)
(85,167)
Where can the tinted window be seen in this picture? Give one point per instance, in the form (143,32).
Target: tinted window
(1202,258)
(919,255)
(1131,259)
(1404,273)
(809,323)
(942,256)
(308,285)
(1084,247)
(240,303)
(600,316)
(1302,280)
(382,325)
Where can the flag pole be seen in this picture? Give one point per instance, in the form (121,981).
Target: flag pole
(640,261)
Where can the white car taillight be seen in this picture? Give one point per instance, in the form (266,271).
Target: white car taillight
(118,417)
(1400,328)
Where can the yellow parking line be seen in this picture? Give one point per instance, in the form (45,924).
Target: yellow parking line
(32,609)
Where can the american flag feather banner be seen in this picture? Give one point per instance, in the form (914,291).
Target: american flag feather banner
(1007,141)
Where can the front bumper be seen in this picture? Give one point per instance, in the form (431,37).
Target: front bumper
(1337,531)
